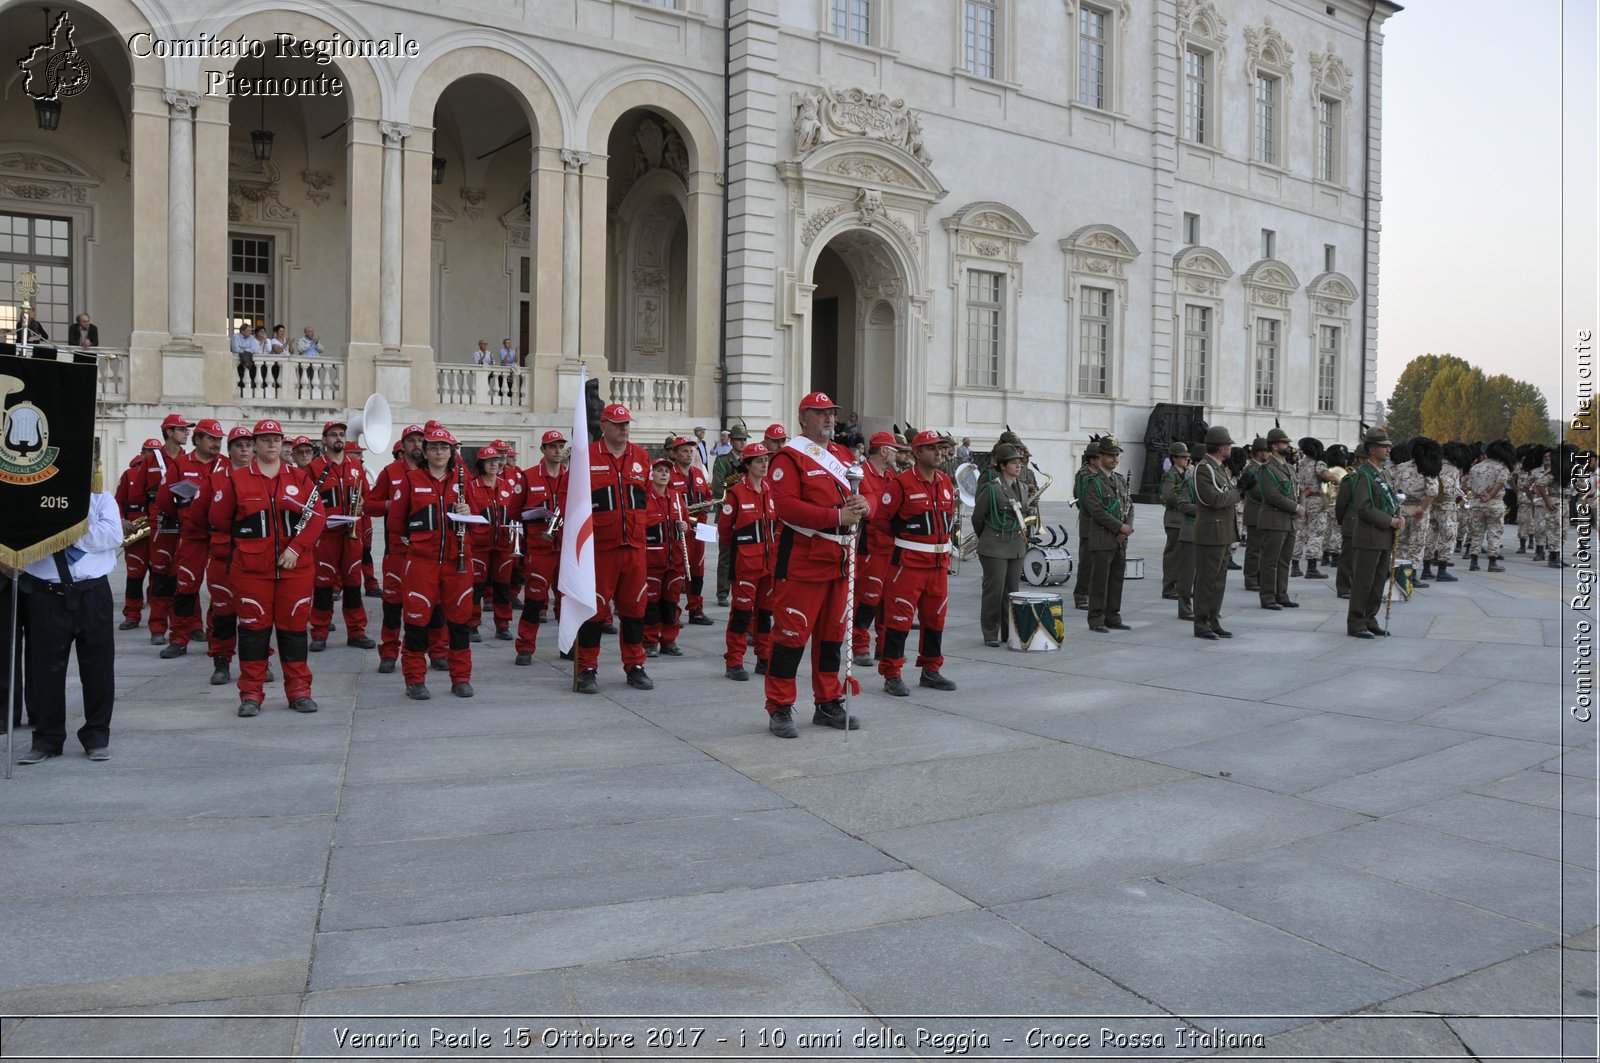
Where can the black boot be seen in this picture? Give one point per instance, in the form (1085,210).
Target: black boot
(1444,572)
(1312,573)
(1555,561)
(1427,570)
(1538,553)
(1522,545)
(1474,559)
(1294,567)
(1495,565)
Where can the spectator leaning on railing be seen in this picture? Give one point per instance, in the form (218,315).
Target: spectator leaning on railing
(507,355)
(308,346)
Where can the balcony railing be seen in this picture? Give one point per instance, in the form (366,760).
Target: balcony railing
(113,373)
(483,385)
(295,380)
(651,394)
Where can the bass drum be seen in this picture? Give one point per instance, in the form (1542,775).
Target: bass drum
(1047,566)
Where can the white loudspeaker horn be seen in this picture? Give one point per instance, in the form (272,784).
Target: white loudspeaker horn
(373,428)
(967,475)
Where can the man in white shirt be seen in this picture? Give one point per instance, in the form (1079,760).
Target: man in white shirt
(702,449)
(308,346)
(508,353)
(483,355)
(245,335)
(70,605)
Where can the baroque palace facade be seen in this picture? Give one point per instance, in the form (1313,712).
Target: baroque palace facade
(1052,214)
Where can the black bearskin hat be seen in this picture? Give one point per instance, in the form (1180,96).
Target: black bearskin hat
(1400,453)
(1312,448)
(1458,454)
(1532,456)
(1428,455)
(1502,451)
(1338,454)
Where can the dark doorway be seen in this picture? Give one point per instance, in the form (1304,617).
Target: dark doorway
(825,346)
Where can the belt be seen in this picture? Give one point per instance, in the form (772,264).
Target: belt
(922,548)
(842,540)
(60,589)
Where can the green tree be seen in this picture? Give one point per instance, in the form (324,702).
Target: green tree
(1529,425)
(1405,405)
(1459,404)
(1515,396)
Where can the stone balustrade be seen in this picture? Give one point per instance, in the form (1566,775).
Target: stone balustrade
(650,394)
(483,385)
(290,380)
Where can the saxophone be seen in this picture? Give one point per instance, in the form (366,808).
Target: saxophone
(141,530)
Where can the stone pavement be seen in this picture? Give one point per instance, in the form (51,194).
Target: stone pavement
(1341,849)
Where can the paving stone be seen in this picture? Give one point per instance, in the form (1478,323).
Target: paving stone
(1511,825)
(253,1026)
(1415,935)
(549,940)
(1549,981)
(1033,852)
(1366,1036)
(765,982)
(55,792)
(1505,631)
(1513,709)
(1384,693)
(423,760)
(1157,719)
(1413,650)
(1430,776)
(1241,679)
(1531,662)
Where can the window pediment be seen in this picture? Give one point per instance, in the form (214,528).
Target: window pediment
(1201,261)
(1200,20)
(1331,294)
(989,216)
(1330,75)
(1265,49)
(1270,273)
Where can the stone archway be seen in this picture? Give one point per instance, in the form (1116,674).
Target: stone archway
(858,351)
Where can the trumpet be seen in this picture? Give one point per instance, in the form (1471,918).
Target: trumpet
(516,539)
(552,528)
(141,530)
(353,499)
(701,507)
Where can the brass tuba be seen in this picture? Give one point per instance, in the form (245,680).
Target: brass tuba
(1330,488)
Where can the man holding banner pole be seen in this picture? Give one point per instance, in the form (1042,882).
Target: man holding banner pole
(576,581)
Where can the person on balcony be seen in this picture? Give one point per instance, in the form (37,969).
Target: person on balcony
(82,333)
(244,346)
(507,355)
(278,342)
(483,355)
(308,346)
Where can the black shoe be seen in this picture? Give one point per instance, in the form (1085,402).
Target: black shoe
(936,681)
(1288,604)
(1099,629)
(1378,631)
(638,680)
(418,691)
(303,705)
(700,619)
(473,636)
(1415,583)
(318,645)
(862,660)
(722,600)
(174,650)
(523,659)
(1538,555)
(1554,560)
(1210,636)
(738,674)
(1294,568)
(1118,626)
(652,650)
(832,714)
(1312,571)
(1474,559)
(360,642)
(439,664)
(1080,603)
(670,649)
(1252,585)
(587,683)
(781,722)
(99,753)
(1522,546)
(1426,573)
(461,690)
(1186,616)
(991,643)
(761,666)
(386,666)
(1495,565)
(127,625)
(374,593)
(1274,606)
(1359,634)
(219,671)
(1345,595)
(1234,566)
(158,638)
(35,756)
(608,628)
(503,634)
(1221,634)
(895,687)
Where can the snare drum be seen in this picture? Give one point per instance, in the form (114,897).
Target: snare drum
(1036,623)
(1047,566)
(1133,568)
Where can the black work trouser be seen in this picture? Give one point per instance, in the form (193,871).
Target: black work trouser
(59,620)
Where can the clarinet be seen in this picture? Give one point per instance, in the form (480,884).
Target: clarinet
(305,510)
(461,529)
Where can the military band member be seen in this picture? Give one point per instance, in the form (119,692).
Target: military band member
(1110,513)
(1172,517)
(1275,516)
(1310,474)
(265,519)
(1416,478)
(689,483)
(436,589)
(1444,517)
(1374,522)
(491,495)
(134,503)
(918,508)
(1533,489)
(747,529)
(664,547)
(1216,530)
(1251,499)
(1344,513)
(813,499)
(170,463)
(1486,521)
(1002,541)
(619,478)
(724,471)
(513,474)
(1080,484)
(873,545)
(546,488)
(222,618)
(1189,507)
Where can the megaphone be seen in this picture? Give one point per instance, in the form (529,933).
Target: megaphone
(373,428)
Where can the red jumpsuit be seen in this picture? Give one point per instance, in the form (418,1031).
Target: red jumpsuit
(492,544)
(253,520)
(518,478)
(132,502)
(663,560)
(338,554)
(747,526)
(222,619)
(541,565)
(183,553)
(436,588)
(808,593)
(693,488)
(872,567)
(376,504)
(919,515)
(619,487)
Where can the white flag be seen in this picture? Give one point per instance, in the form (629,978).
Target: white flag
(576,581)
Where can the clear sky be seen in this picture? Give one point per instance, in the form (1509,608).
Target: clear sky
(1489,131)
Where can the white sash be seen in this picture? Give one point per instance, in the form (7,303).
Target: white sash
(819,453)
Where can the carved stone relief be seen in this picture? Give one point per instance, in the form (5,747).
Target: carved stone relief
(1329,74)
(825,115)
(1266,47)
(1201,19)
(656,145)
(317,184)
(473,198)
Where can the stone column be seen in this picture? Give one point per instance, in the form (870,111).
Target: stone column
(364,218)
(150,122)
(705,300)
(547,245)
(571,249)
(180,215)
(389,244)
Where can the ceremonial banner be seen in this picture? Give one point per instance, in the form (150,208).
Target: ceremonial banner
(46,455)
(576,581)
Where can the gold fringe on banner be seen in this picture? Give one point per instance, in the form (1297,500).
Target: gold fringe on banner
(20,559)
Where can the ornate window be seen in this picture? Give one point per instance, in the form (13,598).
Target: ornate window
(1269,65)
(1097,294)
(1331,294)
(1329,340)
(1201,31)
(1268,286)
(1330,89)
(1267,119)
(980,26)
(1092,56)
(249,280)
(1265,368)
(986,324)
(986,241)
(43,246)
(1094,340)
(1199,277)
(1096,31)
(851,20)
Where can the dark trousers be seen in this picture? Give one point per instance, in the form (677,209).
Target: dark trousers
(1276,552)
(1369,574)
(1080,585)
(57,622)
(724,570)
(1106,569)
(1170,563)
(1210,581)
(1252,556)
(15,643)
(1186,579)
(1341,574)
(1001,576)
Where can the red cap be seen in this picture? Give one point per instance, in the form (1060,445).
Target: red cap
(175,420)
(489,452)
(777,431)
(882,439)
(395,450)
(661,461)
(151,444)
(269,427)
(438,434)
(332,424)
(680,441)
(616,413)
(753,450)
(239,432)
(551,436)
(353,448)
(926,438)
(301,441)
(411,430)
(818,400)
(430,426)
(210,426)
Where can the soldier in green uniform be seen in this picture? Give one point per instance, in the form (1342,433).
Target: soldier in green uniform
(1343,514)
(1216,530)
(1375,520)
(1252,512)
(1172,519)
(1110,513)
(1089,468)
(1275,519)
(1002,541)
(1188,508)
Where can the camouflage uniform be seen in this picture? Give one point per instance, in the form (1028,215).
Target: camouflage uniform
(1444,518)
(1313,528)
(1534,519)
(1419,490)
(1486,521)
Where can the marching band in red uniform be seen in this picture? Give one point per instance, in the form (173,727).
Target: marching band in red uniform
(747,525)
(544,488)
(917,513)
(342,481)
